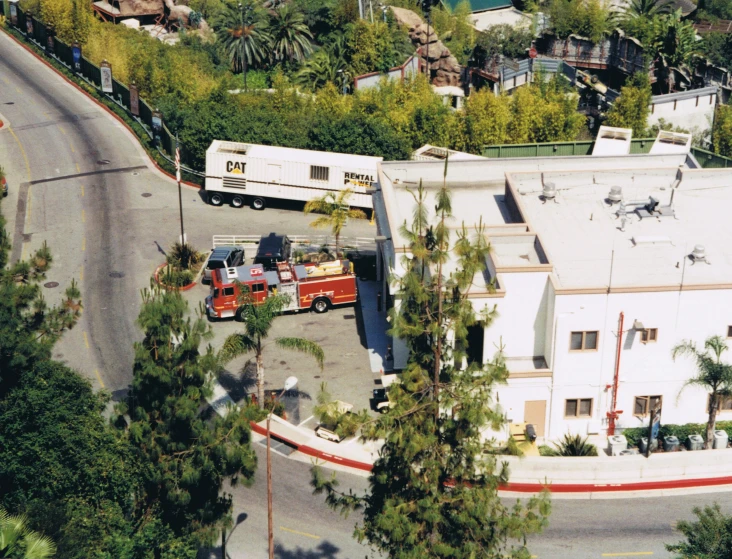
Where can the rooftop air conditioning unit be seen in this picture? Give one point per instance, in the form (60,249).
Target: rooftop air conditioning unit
(615,195)
(550,191)
(231,273)
(617,444)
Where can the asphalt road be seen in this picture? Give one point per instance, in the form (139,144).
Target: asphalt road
(79,181)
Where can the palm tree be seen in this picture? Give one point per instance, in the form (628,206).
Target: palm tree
(573,445)
(290,34)
(712,375)
(258,321)
(336,213)
(17,541)
(646,8)
(321,68)
(243,31)
(675,44)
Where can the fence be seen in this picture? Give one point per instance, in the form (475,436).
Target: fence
(706,159)
(38,33)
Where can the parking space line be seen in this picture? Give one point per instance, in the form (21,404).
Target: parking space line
(86,340)
(300,533)
(59,127)
(78,170)
(72,147)
(22,151)
(304,422)
(628,554)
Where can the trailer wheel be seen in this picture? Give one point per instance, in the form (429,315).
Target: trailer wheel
(237,201)
(258,204)
(321,305)
(238,316)
(215,199)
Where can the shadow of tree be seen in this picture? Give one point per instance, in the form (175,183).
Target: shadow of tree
(325,550)
(238,385)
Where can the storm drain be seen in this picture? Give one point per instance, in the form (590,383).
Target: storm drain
(50,284)
(146,194)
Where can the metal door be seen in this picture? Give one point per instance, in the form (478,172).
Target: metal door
(535,413)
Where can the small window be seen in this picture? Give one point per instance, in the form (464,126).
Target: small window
(725,403)
(644,404)
(581,407)
(257,287)
(649,335)
(318,173)
(583,341)
(215,264)
(215,292)
(729,331)
(228,291)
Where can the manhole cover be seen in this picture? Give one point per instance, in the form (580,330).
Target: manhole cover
(116,274)
(146,194)
(102,161)
(135,174)
(50,284)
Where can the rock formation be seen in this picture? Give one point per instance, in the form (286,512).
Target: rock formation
(444,67)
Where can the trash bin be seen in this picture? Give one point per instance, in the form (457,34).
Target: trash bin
(643,445)
(721,438)
(617,444)
(695,442)
(670,444)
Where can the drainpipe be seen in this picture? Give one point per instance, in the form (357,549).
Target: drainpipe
(613,413)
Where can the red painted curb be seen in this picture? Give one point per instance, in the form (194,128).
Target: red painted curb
(102,105)
(528,487)
(155,276)
(2,124)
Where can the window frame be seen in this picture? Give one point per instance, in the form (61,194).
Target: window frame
(228,291)
(317,172)
(258,287)
(646,335)
(584,338)
(578,402)
(729,331)
(646,407)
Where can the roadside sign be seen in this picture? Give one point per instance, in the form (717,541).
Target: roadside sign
(655,428)
(532,52)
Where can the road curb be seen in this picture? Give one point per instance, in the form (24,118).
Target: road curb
(579,489)
(103,106)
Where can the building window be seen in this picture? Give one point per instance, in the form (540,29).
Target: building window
(729,331)
(578,407)
(725,403)
(649,335)
(583,341)
(228,291)
(318,173)
(257,287)
(644,404)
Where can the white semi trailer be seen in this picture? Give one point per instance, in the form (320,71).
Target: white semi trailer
(249,173)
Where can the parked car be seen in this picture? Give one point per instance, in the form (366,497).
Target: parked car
(328,433)
(272,249)
(223,257)
(381,400)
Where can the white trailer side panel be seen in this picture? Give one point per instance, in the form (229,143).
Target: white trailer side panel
(296,175)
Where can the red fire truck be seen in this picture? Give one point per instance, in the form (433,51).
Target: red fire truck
(306,286)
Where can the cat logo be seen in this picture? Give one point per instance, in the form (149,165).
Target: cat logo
(235,167)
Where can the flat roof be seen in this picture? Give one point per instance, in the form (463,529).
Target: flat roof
(589,246)
(579,237)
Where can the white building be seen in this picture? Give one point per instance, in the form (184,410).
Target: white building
(566,264)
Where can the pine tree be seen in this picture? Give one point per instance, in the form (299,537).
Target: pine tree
(433,490)
(188,456)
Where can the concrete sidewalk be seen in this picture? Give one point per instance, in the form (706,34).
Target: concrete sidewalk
(375,326)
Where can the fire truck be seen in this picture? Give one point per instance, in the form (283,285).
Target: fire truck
(305,286)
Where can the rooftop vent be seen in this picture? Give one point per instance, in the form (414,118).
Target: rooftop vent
(699,254)
(616,194)
(550,191)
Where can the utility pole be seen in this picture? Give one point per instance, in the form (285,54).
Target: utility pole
(180,192)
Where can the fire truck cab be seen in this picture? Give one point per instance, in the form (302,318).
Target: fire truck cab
(306,286)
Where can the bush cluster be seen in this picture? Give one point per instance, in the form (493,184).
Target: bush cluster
(634,434)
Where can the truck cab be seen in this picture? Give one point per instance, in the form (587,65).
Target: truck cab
(254,283)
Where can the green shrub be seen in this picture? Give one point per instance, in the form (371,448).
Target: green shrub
(546,450)
(572,445)
(176,278)
(634,434)
(184,256)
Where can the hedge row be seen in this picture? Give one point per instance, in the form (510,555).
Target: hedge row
(634,434)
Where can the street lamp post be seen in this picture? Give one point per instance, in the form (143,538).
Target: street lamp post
(290,383)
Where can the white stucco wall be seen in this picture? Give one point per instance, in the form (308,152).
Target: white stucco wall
(693,110)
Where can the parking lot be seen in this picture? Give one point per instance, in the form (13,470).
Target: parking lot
(340,332)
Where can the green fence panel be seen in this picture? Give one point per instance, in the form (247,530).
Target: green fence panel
(709,160)
(564,149)
(146,114)
(63,53)
(91,72)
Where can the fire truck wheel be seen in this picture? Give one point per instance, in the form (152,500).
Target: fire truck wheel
(237,201)
(321,305)
(215,199)
(258,204)
(238,315)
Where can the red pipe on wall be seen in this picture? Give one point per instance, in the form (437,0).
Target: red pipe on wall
(613,413)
